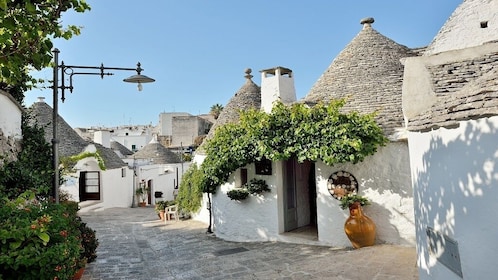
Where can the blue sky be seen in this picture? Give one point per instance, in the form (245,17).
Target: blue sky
(197,50)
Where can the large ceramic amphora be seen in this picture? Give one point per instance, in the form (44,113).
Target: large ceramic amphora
(359,228)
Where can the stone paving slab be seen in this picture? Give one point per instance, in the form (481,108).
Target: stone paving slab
(135,244)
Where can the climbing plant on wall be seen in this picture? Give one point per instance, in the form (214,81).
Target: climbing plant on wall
(321,132)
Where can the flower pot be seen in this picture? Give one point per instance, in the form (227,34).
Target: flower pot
(359,228)
(142,204)
(79,273)
(161,215)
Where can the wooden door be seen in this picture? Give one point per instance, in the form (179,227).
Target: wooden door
(89,185)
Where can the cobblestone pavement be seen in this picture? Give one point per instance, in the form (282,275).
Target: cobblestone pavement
(135,244)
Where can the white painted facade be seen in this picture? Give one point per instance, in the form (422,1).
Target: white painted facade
(453,171)
(382,179)
(10,127)
(252,219)
(133,137)
(116,185)
(260,218)
(455,179)
(10,116)
(165,178)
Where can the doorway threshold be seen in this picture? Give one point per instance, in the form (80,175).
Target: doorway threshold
(302,235)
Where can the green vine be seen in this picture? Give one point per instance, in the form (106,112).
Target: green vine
(189,194)
(314,133)
(68,162)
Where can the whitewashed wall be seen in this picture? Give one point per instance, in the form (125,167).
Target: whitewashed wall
(10,117)
(455,178)
(384,178)
(252,219)
(10,127)
(116,190)
(163,177)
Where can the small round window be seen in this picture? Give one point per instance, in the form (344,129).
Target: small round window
(342,183)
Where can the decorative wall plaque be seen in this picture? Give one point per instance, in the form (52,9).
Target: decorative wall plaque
(342,183)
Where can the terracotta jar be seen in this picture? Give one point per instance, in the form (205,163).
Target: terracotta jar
(359,228)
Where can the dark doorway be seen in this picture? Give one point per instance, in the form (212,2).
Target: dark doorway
(89,185)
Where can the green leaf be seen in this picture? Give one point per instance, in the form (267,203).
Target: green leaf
(44,237)
(15,245)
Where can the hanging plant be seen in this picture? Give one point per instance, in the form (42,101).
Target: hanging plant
(256,186)
(238,194)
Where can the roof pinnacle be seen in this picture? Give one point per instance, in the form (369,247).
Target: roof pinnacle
(248,73)
(367,22)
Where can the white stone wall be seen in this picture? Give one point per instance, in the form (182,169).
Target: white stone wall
(10,127)
(115,190)
(455,178)
(463,29)
(10,117)
(163,176)
(252,219)
(384,178)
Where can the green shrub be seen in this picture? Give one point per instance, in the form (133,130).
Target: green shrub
(38,240)
(42,240)
(89,242)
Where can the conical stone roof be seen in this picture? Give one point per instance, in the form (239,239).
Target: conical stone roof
(368,72)
(118,147)
(70,143)
(247,97)
(473,23)
(157,153)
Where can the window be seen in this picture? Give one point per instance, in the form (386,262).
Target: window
(263,167)
(243,176)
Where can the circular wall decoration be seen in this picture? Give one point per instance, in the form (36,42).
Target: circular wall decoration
(342,183)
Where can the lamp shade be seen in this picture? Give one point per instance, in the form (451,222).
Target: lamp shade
(139,79)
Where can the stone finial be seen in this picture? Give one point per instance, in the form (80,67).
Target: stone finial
(367,21)
(248,73)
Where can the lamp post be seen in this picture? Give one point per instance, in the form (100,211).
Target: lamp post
(69,70)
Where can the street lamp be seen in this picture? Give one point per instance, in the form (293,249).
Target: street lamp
(69,70)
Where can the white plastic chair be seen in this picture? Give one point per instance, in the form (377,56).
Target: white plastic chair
(171,212)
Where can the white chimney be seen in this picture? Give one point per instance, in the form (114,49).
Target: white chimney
(103,137)
(276,84)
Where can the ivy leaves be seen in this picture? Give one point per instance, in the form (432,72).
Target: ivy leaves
(314,133)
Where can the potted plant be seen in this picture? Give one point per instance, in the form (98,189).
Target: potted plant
(142,192)
(160,208)
(238,194)
(359,228)
(256,186)
(348,200)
